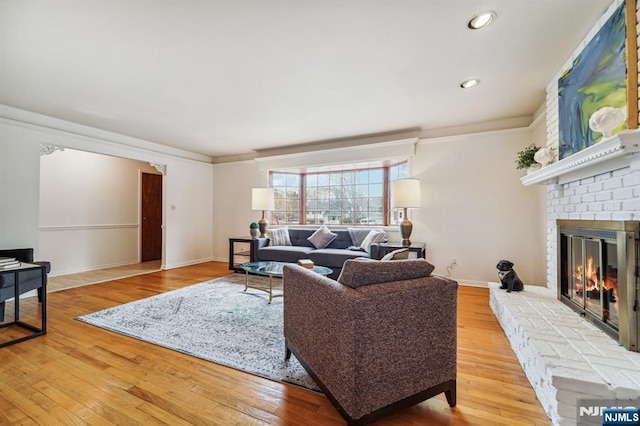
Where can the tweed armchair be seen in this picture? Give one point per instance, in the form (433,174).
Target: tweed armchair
(381,338)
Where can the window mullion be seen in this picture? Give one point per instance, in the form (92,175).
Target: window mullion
(385,198)
(303,199)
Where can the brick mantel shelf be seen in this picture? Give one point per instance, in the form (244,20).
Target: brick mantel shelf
(622,150)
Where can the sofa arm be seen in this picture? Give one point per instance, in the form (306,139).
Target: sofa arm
(262,242)
(373,252)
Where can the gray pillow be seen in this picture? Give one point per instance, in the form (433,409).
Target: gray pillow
(356,273)
(322,237)
(279,237)
(374,236)
(358,235)
(402,253)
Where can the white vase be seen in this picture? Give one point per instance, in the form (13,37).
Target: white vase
(606,119)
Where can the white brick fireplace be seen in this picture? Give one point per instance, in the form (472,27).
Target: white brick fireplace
(564,357)
(601,182)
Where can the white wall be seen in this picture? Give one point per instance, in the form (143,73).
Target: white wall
(89,210)
(188,183)
(190,199)
(19,187)
(474,206)
(232,213)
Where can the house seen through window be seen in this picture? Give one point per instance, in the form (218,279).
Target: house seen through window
(341,197)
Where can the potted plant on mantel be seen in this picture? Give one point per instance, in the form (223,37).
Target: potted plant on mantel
(526,159)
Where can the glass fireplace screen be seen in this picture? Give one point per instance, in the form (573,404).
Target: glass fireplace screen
(590,277)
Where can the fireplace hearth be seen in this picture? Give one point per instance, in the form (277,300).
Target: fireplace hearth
(598,275)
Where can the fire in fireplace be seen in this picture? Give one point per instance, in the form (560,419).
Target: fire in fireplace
(598,276)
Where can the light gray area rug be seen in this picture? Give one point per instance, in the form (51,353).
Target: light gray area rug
(216,321)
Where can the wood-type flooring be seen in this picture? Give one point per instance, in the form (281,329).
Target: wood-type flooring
(79,374)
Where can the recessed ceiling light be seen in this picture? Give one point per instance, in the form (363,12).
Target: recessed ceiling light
(468,84)
(481,20)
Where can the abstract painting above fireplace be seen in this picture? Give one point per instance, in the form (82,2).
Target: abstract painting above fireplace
(597,274)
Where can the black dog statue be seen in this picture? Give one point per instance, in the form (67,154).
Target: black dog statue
(508,277)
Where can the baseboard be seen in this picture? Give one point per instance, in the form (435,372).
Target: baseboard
(472,283)
(187,263)
(92,268)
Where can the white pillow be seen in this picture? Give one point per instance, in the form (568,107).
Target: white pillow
(279,237)
(374,236)
(322,237)
(402,253)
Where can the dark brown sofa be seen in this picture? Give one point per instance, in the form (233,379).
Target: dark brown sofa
(382,337)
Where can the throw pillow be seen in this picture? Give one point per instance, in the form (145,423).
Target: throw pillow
(374,236)
(279,237)
(358,235)
(322,237)
(402,253)
(356,273)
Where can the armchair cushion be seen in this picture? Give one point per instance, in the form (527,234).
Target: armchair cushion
(356,274)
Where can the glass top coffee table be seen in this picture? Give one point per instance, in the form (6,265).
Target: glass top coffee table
(271,270)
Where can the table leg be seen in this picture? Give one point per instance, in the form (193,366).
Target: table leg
(246,280)
(16,296)
(270,289)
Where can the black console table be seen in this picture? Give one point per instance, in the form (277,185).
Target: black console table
(242,250)
(37,331)
(418,248)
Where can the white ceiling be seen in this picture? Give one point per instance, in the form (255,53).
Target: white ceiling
(231,77)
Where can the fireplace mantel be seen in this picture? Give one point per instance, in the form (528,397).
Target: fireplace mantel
(617,152)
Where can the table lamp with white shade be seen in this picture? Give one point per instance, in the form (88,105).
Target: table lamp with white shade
(262,199)
(405,194)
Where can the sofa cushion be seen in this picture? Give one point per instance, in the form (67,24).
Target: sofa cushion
(279,237)
(342,241)
(333,258)
(402,253)
(299,237)
(374,236)
(284,253)
(322,237)
(357,274)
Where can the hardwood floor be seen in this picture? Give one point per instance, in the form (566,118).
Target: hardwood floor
(80,374)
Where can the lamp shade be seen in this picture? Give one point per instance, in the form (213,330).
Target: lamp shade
(262,199)
(405,193)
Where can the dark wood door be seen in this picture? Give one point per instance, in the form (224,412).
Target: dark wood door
(151,228)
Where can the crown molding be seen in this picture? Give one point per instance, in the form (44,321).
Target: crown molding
(57,126)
